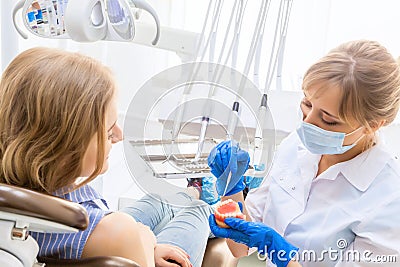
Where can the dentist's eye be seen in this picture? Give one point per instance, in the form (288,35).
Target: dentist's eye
(329,123)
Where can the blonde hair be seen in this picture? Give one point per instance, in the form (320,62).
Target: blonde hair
(52,103)
(369,77)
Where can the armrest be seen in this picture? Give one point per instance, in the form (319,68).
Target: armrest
(109,261)
(25,202)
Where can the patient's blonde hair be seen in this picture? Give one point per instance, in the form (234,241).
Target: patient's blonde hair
(52,103)
(369,77)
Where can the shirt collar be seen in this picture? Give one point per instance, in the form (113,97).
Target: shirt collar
(80,195)
(364,168)
(359,171)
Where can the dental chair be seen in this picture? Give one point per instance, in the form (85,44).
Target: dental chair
(23,210)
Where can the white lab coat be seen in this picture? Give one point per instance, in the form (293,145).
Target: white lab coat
(353,205)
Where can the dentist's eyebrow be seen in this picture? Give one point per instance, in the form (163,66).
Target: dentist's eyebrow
(327,113)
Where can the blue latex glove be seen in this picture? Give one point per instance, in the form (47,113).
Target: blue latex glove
(208,191)
(252,182)
(228,157)
(256,235)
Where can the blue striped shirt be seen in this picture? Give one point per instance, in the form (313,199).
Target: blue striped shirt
(70,245)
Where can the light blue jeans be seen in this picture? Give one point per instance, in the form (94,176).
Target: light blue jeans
(184,226)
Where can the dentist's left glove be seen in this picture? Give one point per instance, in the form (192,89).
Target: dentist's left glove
(257,235)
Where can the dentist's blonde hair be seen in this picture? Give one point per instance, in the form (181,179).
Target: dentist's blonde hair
(369,77)
(52,103)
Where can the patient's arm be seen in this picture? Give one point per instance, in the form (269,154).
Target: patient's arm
(118,234)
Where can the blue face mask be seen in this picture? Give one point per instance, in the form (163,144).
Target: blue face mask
(323,142)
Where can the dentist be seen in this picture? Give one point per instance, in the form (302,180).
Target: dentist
(333,191)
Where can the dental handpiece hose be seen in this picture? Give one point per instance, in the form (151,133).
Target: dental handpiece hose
(205,120)
(230,132)
(204,124)
(215,76)
(178,118)
(256,159)
(179,115)
(262,112)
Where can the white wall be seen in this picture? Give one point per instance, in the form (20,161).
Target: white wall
(8,37)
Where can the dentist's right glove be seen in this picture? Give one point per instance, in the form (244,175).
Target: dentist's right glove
(257,235)
(252,182)
(227,157)
(206,188)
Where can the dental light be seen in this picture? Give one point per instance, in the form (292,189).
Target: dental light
(82,21)
(94,20)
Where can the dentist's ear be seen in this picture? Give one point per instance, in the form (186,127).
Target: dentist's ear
(374,126)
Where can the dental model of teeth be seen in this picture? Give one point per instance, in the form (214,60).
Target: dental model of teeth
(227,209)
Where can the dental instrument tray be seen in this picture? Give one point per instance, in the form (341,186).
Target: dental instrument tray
(174,160)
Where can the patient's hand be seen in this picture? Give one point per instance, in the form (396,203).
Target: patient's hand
(164,254)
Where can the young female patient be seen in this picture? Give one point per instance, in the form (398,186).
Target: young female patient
(58,123)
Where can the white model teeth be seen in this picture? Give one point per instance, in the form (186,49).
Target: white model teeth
(231,214)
